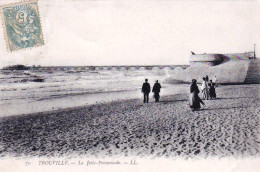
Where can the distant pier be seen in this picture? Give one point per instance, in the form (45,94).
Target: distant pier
(98,68)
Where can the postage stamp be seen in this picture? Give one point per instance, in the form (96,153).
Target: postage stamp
(22,27)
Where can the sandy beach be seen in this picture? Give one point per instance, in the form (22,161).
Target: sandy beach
(25,106)
(225,127)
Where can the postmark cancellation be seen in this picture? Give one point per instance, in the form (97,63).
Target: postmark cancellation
(22,27)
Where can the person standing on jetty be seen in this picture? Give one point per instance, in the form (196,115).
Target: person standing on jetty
(156,90)
(146,89)
(204,89)
(195,100)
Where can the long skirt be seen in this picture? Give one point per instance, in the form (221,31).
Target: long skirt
(212,92)
(194,101)
(205,93)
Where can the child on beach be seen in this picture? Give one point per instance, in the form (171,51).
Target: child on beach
(195,100)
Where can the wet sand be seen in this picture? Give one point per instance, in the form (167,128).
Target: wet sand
(225,127)
(24,106)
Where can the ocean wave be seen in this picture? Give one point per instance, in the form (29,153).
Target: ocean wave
(61,83)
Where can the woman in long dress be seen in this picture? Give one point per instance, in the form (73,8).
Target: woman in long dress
(204,89)
(195,100)
(212,90)
(207,88)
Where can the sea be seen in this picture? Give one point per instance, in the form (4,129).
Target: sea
(29,91)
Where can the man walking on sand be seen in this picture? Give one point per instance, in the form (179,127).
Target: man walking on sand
(146,89)
(156,90)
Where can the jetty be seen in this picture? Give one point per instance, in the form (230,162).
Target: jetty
(234,68)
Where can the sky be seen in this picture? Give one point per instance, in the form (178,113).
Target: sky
(148,32)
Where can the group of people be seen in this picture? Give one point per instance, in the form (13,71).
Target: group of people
(207,89)
(146,89)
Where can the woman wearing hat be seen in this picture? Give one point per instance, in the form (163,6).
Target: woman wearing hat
(195,100)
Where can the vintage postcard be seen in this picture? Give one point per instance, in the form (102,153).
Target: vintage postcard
(22,25)
(121,85)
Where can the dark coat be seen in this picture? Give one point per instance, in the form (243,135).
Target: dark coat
(146,88)
(156,88)
(212,91)
(194,97)
(195,88)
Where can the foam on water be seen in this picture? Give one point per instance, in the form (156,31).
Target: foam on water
(19,85)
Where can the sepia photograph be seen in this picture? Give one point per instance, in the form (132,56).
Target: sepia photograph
(121,85)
